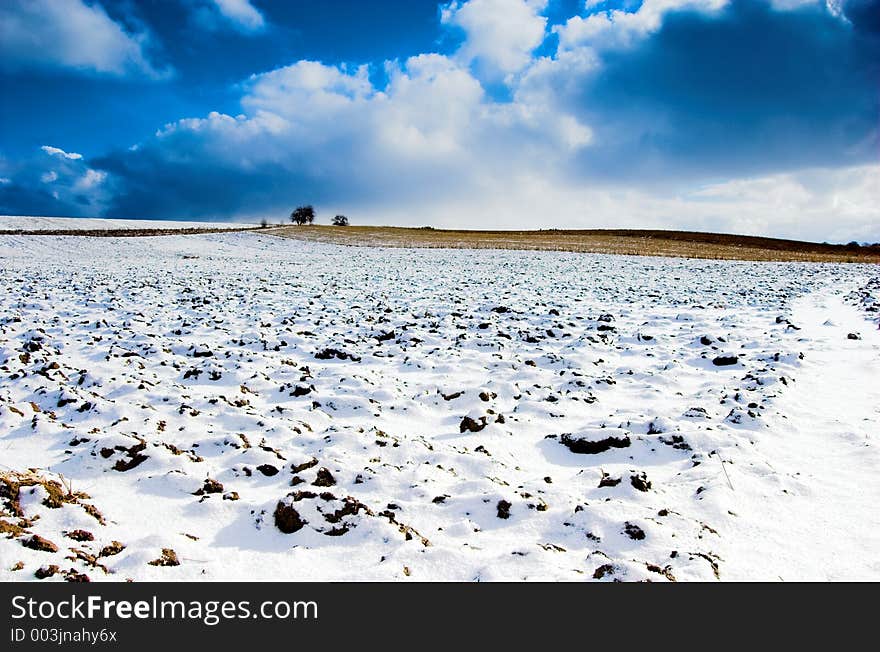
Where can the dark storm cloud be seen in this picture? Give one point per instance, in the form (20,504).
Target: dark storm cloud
(156,186)
(52,182)
(16,199)
(746,90)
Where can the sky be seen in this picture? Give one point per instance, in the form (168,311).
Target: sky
(749,116)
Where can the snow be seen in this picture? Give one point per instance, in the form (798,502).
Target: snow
(827,525)
(29,223)
(194,393)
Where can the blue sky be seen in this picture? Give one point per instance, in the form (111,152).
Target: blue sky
(754,116)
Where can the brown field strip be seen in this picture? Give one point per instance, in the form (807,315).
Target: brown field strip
(682,244)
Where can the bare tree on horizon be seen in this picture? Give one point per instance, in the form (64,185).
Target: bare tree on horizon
(303,215)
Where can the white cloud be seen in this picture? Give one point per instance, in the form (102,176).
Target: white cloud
(71,34)
(241,13)
(834,6)
(621,28)
(433,110)
(617,28)
(834,205)
(54,151)
(327,131)
(837,204)
(500,35)
(90,180)
(309,83)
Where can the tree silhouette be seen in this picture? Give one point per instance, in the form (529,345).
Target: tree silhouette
(340,220)
(303,215)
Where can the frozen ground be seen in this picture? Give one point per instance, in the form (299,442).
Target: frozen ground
(239,406)
(28,223)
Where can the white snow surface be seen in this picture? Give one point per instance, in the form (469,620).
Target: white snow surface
(29,223)
(133,370)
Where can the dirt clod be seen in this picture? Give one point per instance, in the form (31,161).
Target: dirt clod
(80,535)
(36,542)
(211,486)
(287,519)
(112,548)
(472,425)
(168,558)
(633,531)
(640,481)
(593,447)
(46,571)
(324,478)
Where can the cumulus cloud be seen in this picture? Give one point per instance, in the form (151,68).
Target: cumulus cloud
(327,134)
(500,35)
(73,35)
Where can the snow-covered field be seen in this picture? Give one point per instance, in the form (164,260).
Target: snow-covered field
(28,223)
(239,406)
